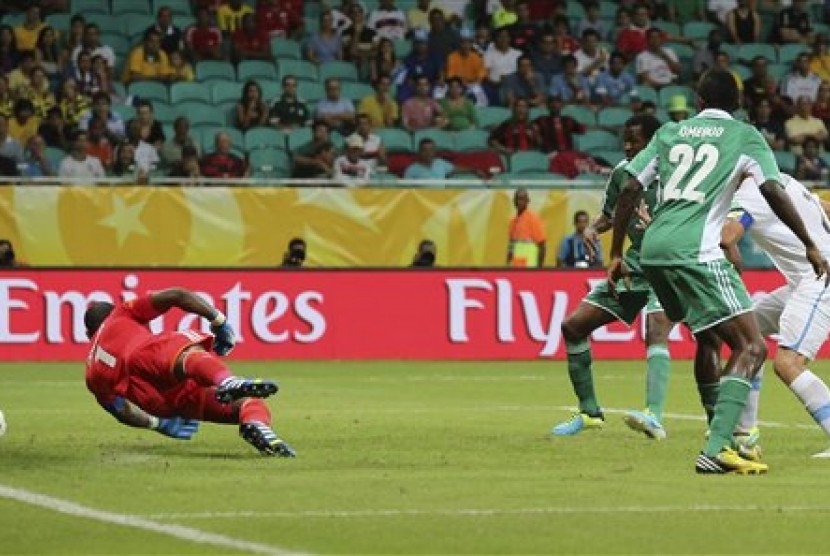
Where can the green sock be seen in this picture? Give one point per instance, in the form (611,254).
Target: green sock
(708,398)
(657,379)
(579,369)
(734,391)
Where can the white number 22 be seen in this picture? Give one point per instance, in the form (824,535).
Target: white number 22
(685,156)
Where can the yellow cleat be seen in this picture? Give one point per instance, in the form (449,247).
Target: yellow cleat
(578,423)
(728,461)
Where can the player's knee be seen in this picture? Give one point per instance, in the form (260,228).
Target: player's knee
(756,351)
(657,330)
(572,331)
(788,365)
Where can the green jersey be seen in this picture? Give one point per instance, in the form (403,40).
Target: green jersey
(700,163)
(616,182)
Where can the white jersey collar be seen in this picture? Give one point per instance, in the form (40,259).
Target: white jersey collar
(715,113)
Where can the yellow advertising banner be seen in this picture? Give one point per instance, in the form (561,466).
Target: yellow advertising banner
(237,227)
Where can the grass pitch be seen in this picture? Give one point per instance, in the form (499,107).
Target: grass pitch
(410,458)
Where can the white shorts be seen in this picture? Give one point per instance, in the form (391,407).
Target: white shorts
(803,316)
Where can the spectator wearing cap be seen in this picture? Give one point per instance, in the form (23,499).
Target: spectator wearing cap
(570,85)
(501,60)
(173,150)
(92,45)
(657,66)
(422,111)
(350,169)
(388,21)
(518,133)
(525,32)
(250,42)
(793,24)
(204,40)
(373,149)
(336,111)
(325,45)
(678,108)
(171,36)
(820,58)
(380,108)
(289,112)
(222,163)
(443,38)
(555,130)
(27,32)
(803,125)
(614,83)
(524,83)
(505,15)
(102,108)
(148,62)
(801,82)
(229,15)
(79,164)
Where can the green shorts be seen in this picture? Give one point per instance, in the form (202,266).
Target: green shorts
(701,295)
(628,303)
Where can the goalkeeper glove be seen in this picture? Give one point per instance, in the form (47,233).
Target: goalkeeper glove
(225,337)
(176,427)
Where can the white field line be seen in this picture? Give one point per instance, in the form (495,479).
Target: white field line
(177,531)
(688,417)
(487,512)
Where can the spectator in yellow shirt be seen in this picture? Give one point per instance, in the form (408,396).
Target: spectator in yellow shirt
(20,77)
(148,61)
(26,34)
(39,93)
(229,16)
(24,124)
(380,108)
(820,58)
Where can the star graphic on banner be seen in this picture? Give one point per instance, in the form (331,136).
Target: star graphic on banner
(125,220)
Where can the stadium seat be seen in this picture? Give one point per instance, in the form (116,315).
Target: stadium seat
(662,115)
(134,25)
(608,9)
(778,71)
(611,156)
(443,139)
(255,70)
(181,92)
(300,69)
(271,90)
(107,23)
(471,140)
(126,111)
(574,11)
(666,94)
(789,52)
(785,160)
(125,8)
(581,114)
(524,162)
(178,7)
(747,52)
(311,92)
(209,69)
(345,71)
(200,113)
(732,49)
(743,72)
(356,91)
(396,140)
(264,138)
(538,112)
(270,163)
(684,51)
(596,139)
(59,21)
(667,27)
(491,116)
(54,155)
(402,48)
(118,42)
(164,113)
(150,90)
(222,91)
(613,117)
(208,137)
(298,137)
(89,7)
(646,93)
(282,49)
(698,30)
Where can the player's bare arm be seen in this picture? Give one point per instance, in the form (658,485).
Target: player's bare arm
(626,205)
(730,236)
(783,208)
(188,301)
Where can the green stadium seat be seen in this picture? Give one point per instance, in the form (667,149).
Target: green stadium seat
(538,112)
(270,163)
(264,138)
(789,52)
(471,140)
(683,51)
(298,137)
(255,69)
(178,7)
(698,30)
(60,22)
(118,42)
(596,139)
(608,9)
(301,69)
(402,48)
(524,162)
(574,11)
(667,27)
(666,94)
(181,92)
(134,25)
(356,91)
(747,52)
(86,7)
(611,156)
(282,49)
(164,112)
(54,155)
(785,160)
(613,117)
(492,116)
(209,69)
(150,90)
(396,140)
(443,139)
(120,8)
(743,72)
(582,114)
(271,90)
(222,91)
(733,50)
(200,113)
(646,93)
(126,111)
(107,23)
(345,71)
(311,92)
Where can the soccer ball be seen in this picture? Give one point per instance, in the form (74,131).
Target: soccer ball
(3,426)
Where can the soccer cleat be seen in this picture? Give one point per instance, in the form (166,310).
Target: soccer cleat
(748,438)
(264,439)
(578,423)
(728,461)
(235,388)
(646,423)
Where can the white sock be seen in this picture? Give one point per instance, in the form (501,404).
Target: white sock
(815,395)
(749,416)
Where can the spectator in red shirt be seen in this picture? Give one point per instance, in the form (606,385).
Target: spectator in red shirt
(222,163)
(632,41)
(250,42)
(98,145)
(517,133)
(556,131)
(279,18)
(204,40)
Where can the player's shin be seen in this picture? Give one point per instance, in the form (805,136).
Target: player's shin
(205,368)
(657,379)
(579,370)
(749,416)
(734,391)
(814,394)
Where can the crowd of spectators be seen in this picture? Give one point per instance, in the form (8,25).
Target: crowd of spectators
(363,89)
